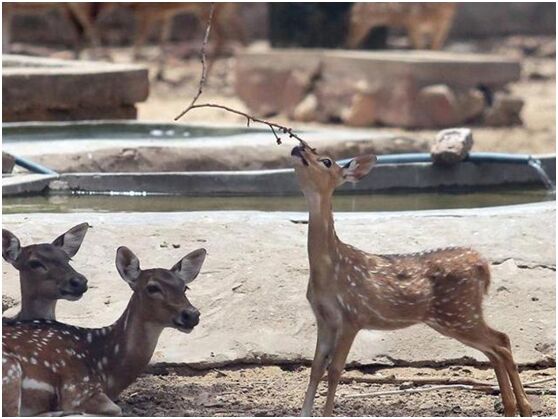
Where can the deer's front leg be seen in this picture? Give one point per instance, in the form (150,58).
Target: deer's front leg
(11,386)
(96,404)
(324,348)
(339,357)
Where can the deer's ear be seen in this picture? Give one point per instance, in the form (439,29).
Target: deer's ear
(358,167)
(128,266)
(71,240)
(190,265)
(10,246)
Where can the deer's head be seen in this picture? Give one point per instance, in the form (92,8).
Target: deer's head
(161,292)
(45,270)
(320,174)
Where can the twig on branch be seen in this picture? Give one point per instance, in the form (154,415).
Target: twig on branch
(483,389)
(451,383)
(429,380)
(203,77)
(414,380)
(249,118)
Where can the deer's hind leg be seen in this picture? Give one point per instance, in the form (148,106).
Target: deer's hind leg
(478,336)
(501,344)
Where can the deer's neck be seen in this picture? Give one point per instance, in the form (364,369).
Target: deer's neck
(127,348)
(33,308)
(322,239)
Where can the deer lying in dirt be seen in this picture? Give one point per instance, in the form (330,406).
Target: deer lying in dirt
(350,290)
(49,366)
(427,24)
(45,273)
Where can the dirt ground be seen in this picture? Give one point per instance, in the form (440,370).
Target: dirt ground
(279,391)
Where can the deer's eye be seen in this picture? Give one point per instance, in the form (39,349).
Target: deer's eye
(153,289)
(35,264)
(326,162)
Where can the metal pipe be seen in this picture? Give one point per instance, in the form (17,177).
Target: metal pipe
(481,157)
(34,167)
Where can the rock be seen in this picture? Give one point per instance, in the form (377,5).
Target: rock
(8,162)
(362,112)
(434,90)
(269,86)
(451,146)
(306,110)
(471,104)
(437,106)
(504,111)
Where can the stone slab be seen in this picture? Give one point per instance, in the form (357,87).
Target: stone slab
(251,292)
(34,87)
(392,88)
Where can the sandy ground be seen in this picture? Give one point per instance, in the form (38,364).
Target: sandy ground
(279,391)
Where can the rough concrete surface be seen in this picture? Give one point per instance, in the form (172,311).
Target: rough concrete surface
(251,292)
(35,89)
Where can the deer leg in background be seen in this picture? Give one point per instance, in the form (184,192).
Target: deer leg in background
(163,46)
(441,34)
(142,31)
(82,17)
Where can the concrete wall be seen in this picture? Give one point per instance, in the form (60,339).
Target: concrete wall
(490,19)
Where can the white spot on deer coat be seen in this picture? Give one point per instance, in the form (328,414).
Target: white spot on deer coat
(32,384)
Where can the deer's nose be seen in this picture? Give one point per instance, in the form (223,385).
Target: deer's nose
(297,151)
(78,283)
(190,317)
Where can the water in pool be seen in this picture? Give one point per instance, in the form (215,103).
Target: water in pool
(368,202)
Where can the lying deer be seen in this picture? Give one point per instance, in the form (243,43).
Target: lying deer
(350,290)
(49,366)
(427,24)
(45,273)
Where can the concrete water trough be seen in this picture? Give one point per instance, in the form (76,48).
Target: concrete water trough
(188,160)
(45,89)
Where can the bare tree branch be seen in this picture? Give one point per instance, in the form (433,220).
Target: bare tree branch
(249,118)
(203,77)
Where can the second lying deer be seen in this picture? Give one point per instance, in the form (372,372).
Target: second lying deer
(45,273)
(350,290)
(49,366)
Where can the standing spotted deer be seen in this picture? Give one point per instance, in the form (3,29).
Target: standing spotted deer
(45,273)
(350,290)
(427,24)
(54,367)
